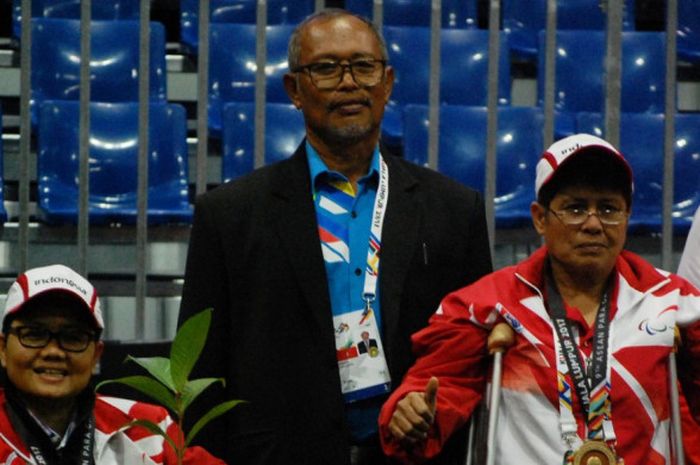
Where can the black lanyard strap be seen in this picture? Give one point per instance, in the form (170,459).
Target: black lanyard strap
(583,381)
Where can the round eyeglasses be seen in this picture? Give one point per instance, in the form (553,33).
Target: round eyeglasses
(325,75)
(70,340)
(576,216)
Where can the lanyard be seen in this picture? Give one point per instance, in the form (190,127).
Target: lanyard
(592,386)
(375,237)
(78,448)
(86,445)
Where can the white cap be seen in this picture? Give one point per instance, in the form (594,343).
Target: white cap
(53,278)
(563,150)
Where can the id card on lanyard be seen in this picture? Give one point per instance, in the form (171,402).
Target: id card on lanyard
(361,361)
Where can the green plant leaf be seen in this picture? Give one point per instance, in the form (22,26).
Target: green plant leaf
(209,416)
(187,346)
(158,367)
(148,386)
(154,428)
(194,388)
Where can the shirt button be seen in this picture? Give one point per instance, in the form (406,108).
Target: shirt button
(358,272)
(353,214)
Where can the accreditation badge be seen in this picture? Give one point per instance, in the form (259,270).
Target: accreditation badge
(595,453)
(361,361)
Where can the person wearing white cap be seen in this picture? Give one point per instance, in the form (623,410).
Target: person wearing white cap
(49,346)
(586,378)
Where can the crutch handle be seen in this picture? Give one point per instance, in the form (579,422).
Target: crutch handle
(502,336)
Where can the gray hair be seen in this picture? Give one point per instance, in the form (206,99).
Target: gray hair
(294,49)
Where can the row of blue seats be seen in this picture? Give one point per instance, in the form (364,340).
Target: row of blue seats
(113,165)
(462,153)
(522,21)
(464,65)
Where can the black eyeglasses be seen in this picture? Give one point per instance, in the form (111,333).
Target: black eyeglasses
(576,216)
(367,72)
(70,340)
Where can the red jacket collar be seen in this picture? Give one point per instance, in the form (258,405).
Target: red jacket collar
(638,273)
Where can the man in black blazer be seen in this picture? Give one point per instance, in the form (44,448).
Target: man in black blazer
(256,258)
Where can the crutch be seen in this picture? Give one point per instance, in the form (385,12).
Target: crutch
(501,337)
(676,433)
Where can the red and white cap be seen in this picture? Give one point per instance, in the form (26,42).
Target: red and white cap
(569,148)
(53,278)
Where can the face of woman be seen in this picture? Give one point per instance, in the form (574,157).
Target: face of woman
(49,372)
(589,247)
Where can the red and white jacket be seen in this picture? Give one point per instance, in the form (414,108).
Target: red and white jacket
(646,305)
(114,444)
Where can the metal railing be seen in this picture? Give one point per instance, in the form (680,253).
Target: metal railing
(611,118)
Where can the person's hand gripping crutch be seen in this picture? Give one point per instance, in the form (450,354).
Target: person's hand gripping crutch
(501,338)
(414,414)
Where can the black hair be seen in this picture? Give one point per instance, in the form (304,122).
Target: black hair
(54,300)
(597,170)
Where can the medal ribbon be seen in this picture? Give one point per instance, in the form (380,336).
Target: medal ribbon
(592,387)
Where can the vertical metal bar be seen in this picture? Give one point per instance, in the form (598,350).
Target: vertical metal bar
(25,129)
(676,433)
(84,134)
(142,217)
(260,58)
(613,72)
(492,121)
(669,135)
(320,5)
(471,441)
(550,72)
(378,13)
(434,85)
(202,99)
(494,405)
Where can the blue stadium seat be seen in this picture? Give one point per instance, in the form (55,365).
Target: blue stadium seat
(113,163)
(522,21)
(464,67)
(284,131)
(455,13)
(580,78)
(70,9)
(3,212)
(232,66)
(689,30)
(642,142)
(113,66)
(462,153)
(238,11)
(686,170)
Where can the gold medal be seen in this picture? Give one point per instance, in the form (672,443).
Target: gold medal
(373,351)
(595,453)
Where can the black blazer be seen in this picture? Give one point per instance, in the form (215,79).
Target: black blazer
(255,258)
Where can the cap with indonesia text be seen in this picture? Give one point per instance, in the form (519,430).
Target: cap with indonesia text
(52,278)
